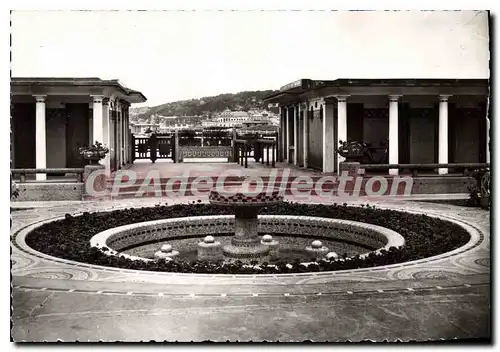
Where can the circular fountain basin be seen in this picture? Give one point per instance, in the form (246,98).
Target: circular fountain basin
(294,233)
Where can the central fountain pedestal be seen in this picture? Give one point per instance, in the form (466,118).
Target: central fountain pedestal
(246,244)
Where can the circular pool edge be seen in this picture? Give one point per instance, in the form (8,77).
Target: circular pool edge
(476,238)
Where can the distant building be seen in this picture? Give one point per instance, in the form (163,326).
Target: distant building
(144,128)
(231,119)
(172,123)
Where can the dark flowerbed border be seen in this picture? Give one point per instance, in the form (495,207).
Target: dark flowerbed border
(425,237)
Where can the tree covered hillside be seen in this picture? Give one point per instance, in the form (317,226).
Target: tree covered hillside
(210,105)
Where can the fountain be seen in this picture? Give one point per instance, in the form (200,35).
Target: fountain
(246,244)
(247,237)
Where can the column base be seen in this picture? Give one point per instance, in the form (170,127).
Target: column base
(41,177)
(393,172)
(352,168)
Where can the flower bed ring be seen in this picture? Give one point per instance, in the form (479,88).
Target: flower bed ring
(39,239)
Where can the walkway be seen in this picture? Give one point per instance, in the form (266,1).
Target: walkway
(197,168)
(200,167)
(441,297)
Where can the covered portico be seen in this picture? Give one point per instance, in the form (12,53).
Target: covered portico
(52,117)
(425,121)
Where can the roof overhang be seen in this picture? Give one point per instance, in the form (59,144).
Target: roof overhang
(74,86)
(304,89)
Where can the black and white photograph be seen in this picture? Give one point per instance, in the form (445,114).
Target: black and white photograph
(250,175)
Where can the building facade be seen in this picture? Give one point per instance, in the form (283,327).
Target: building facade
(424,120)
(232,119)
(51,118)
(144,128)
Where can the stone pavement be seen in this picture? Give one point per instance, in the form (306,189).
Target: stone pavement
(441,297)
(195,169)
(200,167)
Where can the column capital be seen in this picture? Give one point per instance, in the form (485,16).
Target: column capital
(40,98)
(330,100)
(341,98)
(394,97)
(105,101)
(444,97)
(97,98)
(124,103)
(304,104)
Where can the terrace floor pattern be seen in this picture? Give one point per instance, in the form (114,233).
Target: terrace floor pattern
(443,297)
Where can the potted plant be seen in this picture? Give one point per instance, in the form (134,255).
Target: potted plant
(352,151)
(94,152)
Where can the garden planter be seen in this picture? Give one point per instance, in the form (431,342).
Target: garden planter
(485,191)
(94,157)
(97,183)
(485,202)
(351,167)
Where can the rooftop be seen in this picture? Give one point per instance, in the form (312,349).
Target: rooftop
(395,85)
(77,81)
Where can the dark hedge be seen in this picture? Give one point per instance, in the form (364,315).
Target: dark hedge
(425,236)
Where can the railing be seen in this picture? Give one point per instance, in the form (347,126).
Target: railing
(204,144)
(266,144)
(465,168)
(252,139)
(23,172)
(241,151)
(153,147)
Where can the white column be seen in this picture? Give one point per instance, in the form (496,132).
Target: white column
(296,135)
(443,133)
(97,118)
(112,137)
(125,136)
(393,133)
(282,132)
(129,140)
(328,138)
(341,123)
(40,137)
(118,136)
(124,122)
(287,144)
(305,108)
(106,126)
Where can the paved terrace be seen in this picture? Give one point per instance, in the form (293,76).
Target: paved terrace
(200,167)
(197,167)
(442,297)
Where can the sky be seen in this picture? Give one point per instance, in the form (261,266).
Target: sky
(175,55)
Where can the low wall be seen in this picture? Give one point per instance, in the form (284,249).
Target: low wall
(50,191)
(442,184)
(420,185)
(126,237)
(185,152)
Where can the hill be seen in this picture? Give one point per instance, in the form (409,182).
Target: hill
(206,106)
